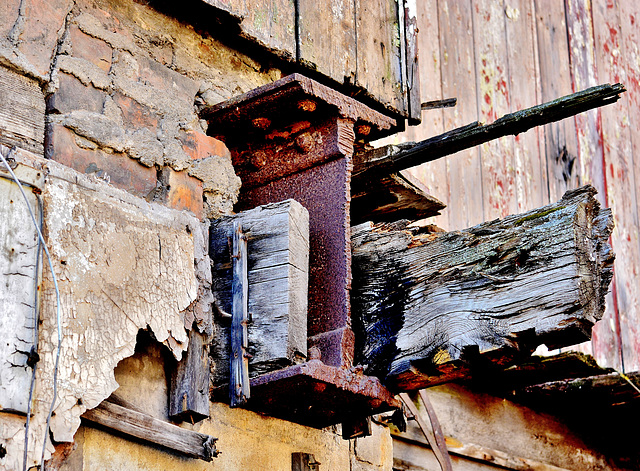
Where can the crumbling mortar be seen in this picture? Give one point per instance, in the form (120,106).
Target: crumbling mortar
(52,83)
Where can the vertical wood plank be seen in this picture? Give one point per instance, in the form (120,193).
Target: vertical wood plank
(607,346)
(278,275)
(432,174)
(18,255)
(492,72)
(522,54)
(465,205)
(584,74)
(412,62)
(239,378)
(629,298)
(189,396)
(561,146)
(378,62)
(327,38)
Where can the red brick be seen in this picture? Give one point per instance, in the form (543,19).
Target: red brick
(91,49)
(184,192)
(198,145)
(43,20)
(73,95)
(135,114)
(8,15)
(123,172)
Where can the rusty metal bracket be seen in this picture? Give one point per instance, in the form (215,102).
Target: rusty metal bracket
(295,139)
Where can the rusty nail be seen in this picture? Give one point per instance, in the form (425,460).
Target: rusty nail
(307,105)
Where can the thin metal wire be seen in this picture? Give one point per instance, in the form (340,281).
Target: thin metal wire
(58,311)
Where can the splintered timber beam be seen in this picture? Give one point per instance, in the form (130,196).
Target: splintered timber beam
(152,430)
(429,308)
(393,158)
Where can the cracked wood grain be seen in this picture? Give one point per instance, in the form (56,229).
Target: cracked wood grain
(428,305)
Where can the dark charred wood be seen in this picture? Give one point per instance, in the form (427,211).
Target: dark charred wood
(429,307)
(391,198)
(393,158)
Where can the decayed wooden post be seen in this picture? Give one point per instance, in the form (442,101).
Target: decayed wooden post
(426,305)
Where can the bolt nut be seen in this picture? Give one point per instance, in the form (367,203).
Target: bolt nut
(304,142)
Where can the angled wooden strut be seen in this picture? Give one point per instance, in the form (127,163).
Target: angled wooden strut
(428,308)
(393,158)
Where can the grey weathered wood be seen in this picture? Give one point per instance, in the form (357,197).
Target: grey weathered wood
(390,198)
(392,158)
(327,38)
(239,360)
(278,248)
(270,23)
(189,395)
(22,109)
(18,296)
(379,47)
(414,104)
(152,430)
(425,304)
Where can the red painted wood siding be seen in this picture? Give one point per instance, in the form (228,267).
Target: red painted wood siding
(505,55)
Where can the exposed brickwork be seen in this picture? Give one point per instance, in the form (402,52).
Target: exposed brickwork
(200,146)
(90,49)
(73,95)
(184,192)
(121,171)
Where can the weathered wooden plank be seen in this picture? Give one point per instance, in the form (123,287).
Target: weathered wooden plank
(465,201)
(327,38)
(425,304)
(493,98)
(391,198)
(22,110)
(152,430)
(612,389)
(189,395)
(584,75)
(613,338)
(433,174)
(561,146)
(378,59)
(414,103)
(522,53)
(627,179)
(239,358)
(269,23)
(393,158)
(278,270)
(18,292)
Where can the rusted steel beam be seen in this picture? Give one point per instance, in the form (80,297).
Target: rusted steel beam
(294,139)
(393,158)
(316,394)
